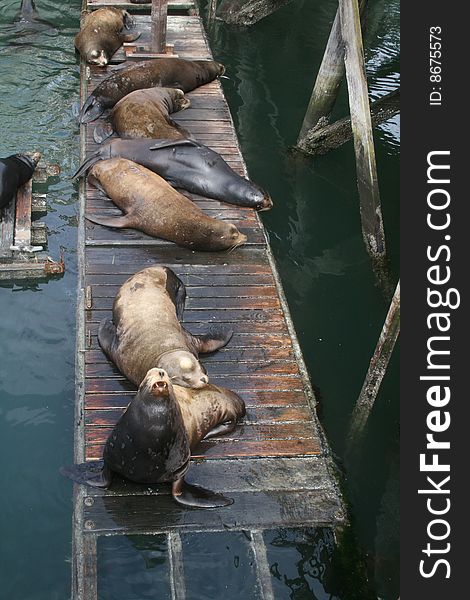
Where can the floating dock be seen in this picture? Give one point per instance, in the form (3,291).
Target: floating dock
(23,239)
(276,464)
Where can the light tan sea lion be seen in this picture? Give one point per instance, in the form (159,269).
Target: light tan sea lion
(146,114)
(151,205)
(146,331)
(102,32)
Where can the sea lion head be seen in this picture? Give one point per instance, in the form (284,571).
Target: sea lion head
(97,57)
(180,102)
(226,237)
(184,369)
(156,384)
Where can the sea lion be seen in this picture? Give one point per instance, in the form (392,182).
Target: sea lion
(146,332)
(15,170)
(165,72)
(28,21)
(188,165)
(151,205)
(102,32)
(151,443)
(145,114)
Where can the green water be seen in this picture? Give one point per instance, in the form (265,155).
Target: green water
(337,308)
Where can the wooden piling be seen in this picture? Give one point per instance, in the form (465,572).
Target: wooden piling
(159,19)
(248,12)
(330,75)
(377,369)
(321,140)
(367,181)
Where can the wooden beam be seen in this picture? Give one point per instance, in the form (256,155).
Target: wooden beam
(248,12)
(321,140)
(367,181)
(330,75)
(377,369)
(159,20)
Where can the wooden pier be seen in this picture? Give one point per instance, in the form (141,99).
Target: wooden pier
(275,465)
(23,239)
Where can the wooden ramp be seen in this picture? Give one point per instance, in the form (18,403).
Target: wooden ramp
(275,465)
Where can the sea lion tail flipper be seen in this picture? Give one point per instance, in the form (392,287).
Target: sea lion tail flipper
(103,132)
(197,497)
(168,143)
(92,108)
(116,222)
(94,473)
(217,337)
(221,429)
(86,165)
(107,335)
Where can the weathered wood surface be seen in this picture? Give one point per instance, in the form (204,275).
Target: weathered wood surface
(328,81)
(262,361)
(173,5)
(367,180)
(158,31)
(247,12)
(321,140)
(377,369)
(7,228)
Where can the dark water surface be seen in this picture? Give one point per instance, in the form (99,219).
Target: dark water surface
(337,309)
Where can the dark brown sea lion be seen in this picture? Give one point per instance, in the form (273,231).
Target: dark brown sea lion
(152,441)
(145,114)
(188,165)
(151,205)
(15,170)
(146,331)
(102,32)
(165,72)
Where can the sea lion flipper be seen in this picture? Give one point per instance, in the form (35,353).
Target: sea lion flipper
(107,335)
(176,290)
(128,32)
(103,132)
(87,164)
(221,429)
(168,143)
(94,473)
(92,108)
(116,222)
(217,337)
(197,497)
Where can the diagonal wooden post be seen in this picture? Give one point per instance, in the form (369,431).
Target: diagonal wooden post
(366,168)
(330,75)
(377,369)
(158,19)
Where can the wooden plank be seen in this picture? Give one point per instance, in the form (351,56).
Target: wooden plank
(127,5)
(254,415)
(292,431)
(253,398)
(238,383)
(239,475)
(211,449)
(252,353)
(261,510)
(159,24)
(23,216)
